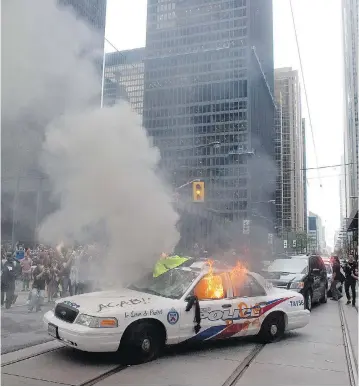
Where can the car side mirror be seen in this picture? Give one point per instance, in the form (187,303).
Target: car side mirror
(190,302)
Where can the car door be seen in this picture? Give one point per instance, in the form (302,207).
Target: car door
(315,276)
(214,311)
(323,276)
(247,302)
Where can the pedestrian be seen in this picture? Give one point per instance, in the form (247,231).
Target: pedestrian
(40,275)
(26,264)
(8,278)
(351,277)
(337,279)
(53,281)
(65,275)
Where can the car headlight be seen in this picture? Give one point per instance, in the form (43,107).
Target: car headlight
(297,285)
(97,322)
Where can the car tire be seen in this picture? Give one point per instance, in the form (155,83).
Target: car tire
(308,300)
(324,298)
(141,343)
(273,328)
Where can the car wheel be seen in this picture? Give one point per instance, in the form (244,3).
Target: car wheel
(141,343)
(272,328)
(324,298)
(308,300)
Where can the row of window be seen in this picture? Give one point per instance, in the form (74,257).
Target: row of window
(196,29)
(196,109)
(197,16)
(171,130)
(213,119)
(198,48)
(198,39)
(201,93)
(194,58)
(156,3)
(191,81)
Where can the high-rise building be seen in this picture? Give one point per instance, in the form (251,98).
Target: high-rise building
(91,11)
(25,200)
(290,151)
(316,232)
(124,78)
(305,190)
(351,136)
(208,100)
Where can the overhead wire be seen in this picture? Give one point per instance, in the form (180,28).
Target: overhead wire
(304,87)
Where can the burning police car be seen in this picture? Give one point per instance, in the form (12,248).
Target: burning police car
(200,301)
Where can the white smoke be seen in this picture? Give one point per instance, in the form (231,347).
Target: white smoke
(100,162)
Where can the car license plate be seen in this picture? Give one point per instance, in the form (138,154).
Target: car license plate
(52,330)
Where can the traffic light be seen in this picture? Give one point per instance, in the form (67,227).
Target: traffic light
(198,191)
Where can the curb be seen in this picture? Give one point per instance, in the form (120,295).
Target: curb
(348,347)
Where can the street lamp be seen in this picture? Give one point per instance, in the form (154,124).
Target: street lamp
(186,184)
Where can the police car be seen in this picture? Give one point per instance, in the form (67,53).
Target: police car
(197,301)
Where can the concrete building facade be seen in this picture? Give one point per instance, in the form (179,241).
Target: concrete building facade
(351,137)
(290,152)
(208,99)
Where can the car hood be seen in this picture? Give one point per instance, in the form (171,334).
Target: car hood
(114,301)
(283,277)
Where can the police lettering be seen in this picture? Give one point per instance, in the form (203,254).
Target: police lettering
(225,315)
(297,303)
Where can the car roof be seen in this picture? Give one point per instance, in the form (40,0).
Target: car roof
(301,256)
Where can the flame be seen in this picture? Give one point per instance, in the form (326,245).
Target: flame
(211,286)
(238,273)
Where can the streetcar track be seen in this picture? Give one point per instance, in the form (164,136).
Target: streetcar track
(352,363)
(30,356)
(105,375)
(243,366)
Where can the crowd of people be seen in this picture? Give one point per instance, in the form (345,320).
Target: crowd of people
(47,272)
(347,274)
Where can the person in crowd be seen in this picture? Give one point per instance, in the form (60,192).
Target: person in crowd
(8,277)
(40,274)
(65,275)
(53,282)
(26,264)
(351,274)
(337,279)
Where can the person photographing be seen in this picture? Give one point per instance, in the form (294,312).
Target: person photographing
(41,274)
(351,278)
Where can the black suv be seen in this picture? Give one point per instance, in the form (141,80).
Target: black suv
(307,275)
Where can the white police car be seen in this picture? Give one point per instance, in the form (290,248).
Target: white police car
(190,303)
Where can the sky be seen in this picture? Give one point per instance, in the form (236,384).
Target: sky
(319,30)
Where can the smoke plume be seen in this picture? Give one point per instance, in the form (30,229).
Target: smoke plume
(100,162)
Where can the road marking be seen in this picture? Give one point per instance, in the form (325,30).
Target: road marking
(241,369)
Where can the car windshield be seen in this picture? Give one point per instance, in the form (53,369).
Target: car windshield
(293,266)
(172,284)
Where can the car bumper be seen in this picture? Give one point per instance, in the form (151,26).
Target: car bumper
(84,338)
(298,319)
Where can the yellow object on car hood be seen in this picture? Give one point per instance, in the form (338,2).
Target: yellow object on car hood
(165,264)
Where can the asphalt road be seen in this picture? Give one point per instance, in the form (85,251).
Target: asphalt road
(315,355)
(19,328)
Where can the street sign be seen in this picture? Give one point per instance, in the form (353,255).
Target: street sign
(246,226)
(270,239)
(285,242)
